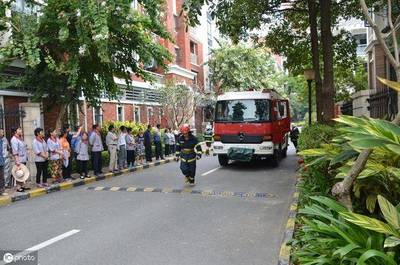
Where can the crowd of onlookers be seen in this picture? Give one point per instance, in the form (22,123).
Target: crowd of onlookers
(54,151)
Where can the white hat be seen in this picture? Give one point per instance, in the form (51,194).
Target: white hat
(20,173)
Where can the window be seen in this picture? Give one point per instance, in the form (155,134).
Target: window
(22,6)
(195,79)
(137,114)
(282,109)
(193,47)
(149,115)
(243,110)
(98,116)
(193,52)
(73,115)
(120,113)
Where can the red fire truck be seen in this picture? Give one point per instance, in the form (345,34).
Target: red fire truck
(251,124)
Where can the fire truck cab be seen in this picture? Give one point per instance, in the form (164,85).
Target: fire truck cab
(253,124)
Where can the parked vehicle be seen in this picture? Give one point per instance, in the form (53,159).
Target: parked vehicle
(251,124)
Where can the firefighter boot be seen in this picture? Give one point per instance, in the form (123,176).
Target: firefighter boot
(191,181)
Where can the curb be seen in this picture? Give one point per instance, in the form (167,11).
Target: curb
(4,201)
(285,251)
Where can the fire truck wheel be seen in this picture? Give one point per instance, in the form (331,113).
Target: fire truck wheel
(276,157)
(284,153)
(223,160)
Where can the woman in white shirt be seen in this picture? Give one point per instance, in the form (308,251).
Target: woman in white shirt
(54,147)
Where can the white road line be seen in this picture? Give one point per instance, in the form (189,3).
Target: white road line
(45,244)
(52,240)
(211,171)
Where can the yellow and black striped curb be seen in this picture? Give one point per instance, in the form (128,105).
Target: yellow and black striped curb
(285,251)
(6,200)
(206,193)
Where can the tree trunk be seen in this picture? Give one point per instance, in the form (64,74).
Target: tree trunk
(60,116)
(328,89)
(312,18)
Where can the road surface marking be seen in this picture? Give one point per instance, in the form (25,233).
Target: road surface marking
(52,240)
(187,190)
(211,171)
(45,243)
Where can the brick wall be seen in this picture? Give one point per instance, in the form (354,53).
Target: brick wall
(128,110)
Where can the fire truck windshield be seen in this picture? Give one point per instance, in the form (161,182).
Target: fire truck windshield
(243,110)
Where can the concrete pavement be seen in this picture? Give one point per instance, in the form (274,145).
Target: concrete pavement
(122,227)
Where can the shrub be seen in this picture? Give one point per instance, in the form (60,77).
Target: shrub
(129,124)
(330,234)
(315,135)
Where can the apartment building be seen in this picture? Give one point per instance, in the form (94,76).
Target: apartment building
(383,101)
(140,103)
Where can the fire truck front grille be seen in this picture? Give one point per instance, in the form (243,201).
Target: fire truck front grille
(248,139)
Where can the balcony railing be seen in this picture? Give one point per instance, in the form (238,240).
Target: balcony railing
(193,58)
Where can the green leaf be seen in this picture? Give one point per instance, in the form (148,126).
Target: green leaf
(371,202)
(372,253)
(368,143)
(344,156)
(392,242)
(330,203)
(370,223)
(345,250)
(389,212)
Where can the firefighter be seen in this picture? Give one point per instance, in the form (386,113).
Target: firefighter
(188,150)
(208,137)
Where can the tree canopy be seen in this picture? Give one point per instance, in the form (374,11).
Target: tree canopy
(239,67)
(77,47)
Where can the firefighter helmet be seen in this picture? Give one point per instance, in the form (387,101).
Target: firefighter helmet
(185,128)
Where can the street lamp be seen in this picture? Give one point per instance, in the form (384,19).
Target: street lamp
(309,74)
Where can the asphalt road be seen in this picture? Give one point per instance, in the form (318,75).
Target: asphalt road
(83,226)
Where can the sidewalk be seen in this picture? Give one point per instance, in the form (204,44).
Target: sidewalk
(14,196)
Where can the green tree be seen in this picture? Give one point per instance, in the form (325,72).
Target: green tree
(179,102)
(350,79)
(77,47)
(238,68)
(289,24)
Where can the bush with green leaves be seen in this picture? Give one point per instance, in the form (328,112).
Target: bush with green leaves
(330,234)
(128,124)
(381,175)
(312,136)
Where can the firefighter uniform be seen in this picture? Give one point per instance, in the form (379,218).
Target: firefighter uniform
(188,150)
(208,138)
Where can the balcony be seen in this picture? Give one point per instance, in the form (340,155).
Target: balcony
(193,58)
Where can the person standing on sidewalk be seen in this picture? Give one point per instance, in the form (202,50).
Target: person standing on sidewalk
(2,163)
(7,160)
(19,152)
(130,148)
(140,150)
(112,143)
(167,143)
(56,153)
(157,142)
(122,148)
(188,150)
(97,147)
(66,157)
(40,149)
(147,144)
(82,158)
